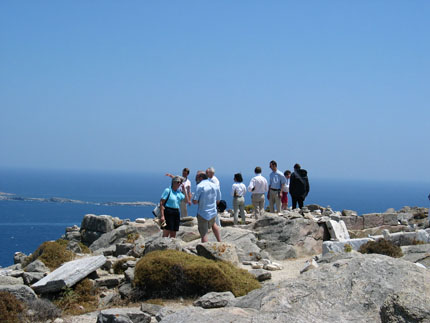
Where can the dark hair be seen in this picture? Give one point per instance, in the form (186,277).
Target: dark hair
(187,170)
(238,177)
(287,172)
(297,166)
(201,174)
(257,170)
(273,163)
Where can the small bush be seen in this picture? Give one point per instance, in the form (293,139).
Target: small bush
(52,253)
(82,298)
(119,266)
(249,208)
(382,247)
(347,248)
(132,237)
(171,273)
(11,308)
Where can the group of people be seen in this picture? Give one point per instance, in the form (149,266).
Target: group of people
(174,199)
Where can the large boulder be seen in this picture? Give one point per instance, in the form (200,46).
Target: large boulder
(21,292)
(68,274)
(123,315)
(160,243)
(218,251)
(289,238)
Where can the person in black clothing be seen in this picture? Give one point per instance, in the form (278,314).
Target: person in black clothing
(299,186)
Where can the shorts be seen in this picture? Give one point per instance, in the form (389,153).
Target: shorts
(172,219)
(284,198)
(204,225)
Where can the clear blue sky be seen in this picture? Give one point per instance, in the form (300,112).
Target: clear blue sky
(342,87)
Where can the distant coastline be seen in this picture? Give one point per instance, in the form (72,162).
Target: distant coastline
(12,197)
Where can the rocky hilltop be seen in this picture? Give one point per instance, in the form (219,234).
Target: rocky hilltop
(335,283)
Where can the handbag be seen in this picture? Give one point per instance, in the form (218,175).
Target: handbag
(156,211)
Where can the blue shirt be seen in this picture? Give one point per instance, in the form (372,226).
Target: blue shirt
(276,180)
(207,193)
(175,198)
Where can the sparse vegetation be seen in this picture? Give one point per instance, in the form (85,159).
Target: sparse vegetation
(119,266)
(11,309)
(347,248)
(132,237)
(171,273)
(383,247)
(82,298)
(249,208)
(52,253)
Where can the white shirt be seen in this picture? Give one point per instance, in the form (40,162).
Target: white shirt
(214,180)
(239,188)
(286,186)
(258,185)
(185,186)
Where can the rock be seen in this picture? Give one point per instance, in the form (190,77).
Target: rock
(123,248)
(74,246)
(160,243)
(188,221)
(140,220)
(405,307)
(288,238)
(216,315)
(37,266)
(339,246)
(68,274)
(129,274)
(219,251)
(32,277)
(338,230)
(73,236)
(372,220)
(261,274)
(347,290)
(19,257)
(21,292)
(214,300)
(188,236)
(310,264)
(126,291)
(97,223)
(9,280)
(417,254)
(151,309)
(110,281)
(390,219)
(349,213)
(123,315)
(271,267)
(257,265)
(354,222)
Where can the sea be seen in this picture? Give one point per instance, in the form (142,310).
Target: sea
(24,225)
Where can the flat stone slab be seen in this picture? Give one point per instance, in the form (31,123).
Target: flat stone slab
(68,274)
(338,230)
(339,246)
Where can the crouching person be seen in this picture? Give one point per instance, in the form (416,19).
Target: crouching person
(207,197)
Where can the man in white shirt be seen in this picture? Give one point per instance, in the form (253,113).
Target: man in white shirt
(258,187)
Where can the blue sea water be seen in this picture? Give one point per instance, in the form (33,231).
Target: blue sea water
(25,225)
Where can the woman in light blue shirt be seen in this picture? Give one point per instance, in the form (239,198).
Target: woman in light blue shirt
(169,208)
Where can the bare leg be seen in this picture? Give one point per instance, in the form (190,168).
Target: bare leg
(172,234)
(205,238)
(216,232)
(165,233)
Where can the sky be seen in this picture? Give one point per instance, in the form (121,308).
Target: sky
(341,87)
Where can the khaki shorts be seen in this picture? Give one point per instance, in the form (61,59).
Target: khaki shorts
(204,225)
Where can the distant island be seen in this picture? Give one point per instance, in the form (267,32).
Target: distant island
(13,197)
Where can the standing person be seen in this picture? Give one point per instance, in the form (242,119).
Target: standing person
(258,187)
(285,190)
(299,186)
(276,180)
(207,196)
(169,207)
(185,188)
(210,173)
(429,211)
(238,191)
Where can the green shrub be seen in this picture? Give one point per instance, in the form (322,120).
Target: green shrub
(52,253)
(11,308)
(249,208)
(171,273)
(119,266)
(82,298)
(132,237)
(347,248)
(383,247)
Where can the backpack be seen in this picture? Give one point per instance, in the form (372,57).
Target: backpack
(222,205)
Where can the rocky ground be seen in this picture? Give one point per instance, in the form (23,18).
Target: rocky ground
(301,258)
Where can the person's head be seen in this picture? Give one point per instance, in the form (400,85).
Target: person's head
(210,172)
(176,182)
(185,172)
(297,167)
(238,178)
(273,165)
(257,170)
(200,176)
(287,173)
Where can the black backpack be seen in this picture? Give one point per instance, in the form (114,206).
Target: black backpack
(222,205)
